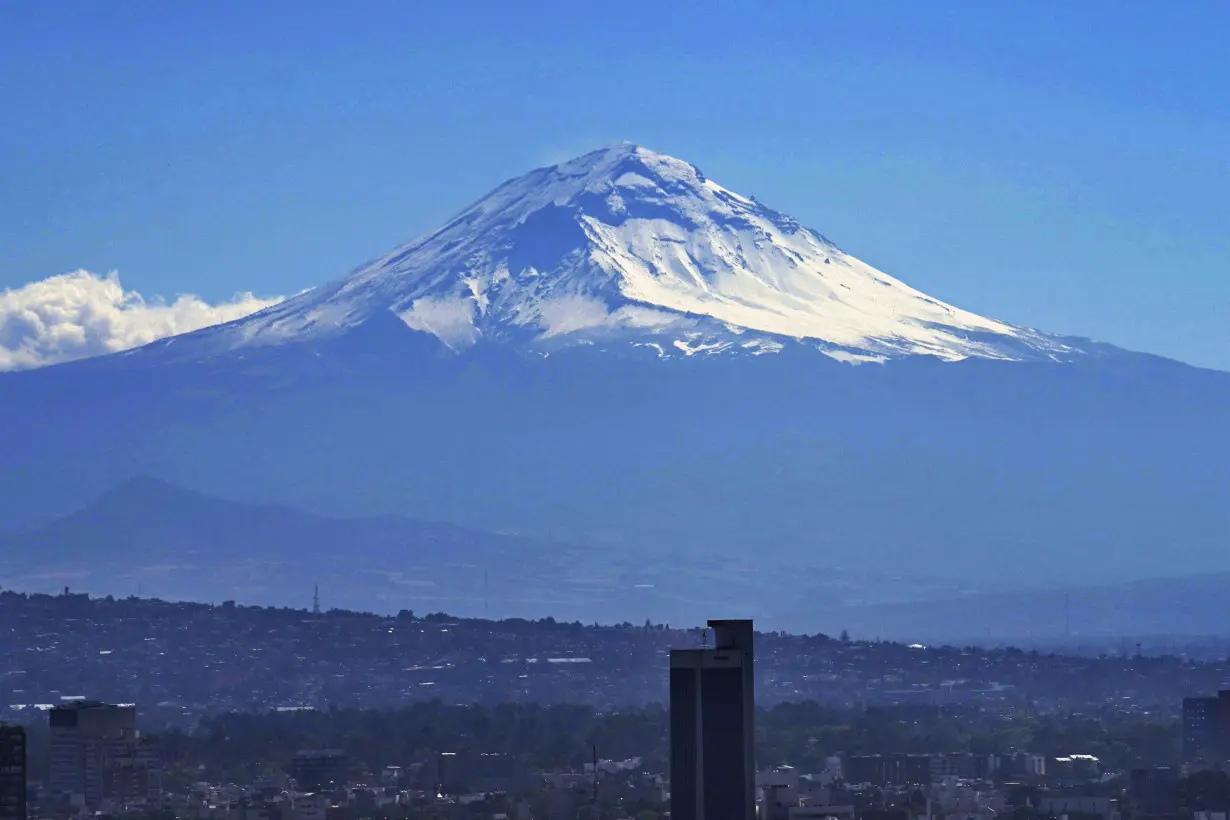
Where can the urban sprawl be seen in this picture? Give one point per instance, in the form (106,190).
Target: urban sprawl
(145,708)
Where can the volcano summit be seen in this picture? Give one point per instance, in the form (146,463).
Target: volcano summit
(627,246)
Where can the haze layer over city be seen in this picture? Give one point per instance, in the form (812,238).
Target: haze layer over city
(696,411)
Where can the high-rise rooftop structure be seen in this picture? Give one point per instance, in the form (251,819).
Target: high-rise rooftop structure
(12,773)
(713,772)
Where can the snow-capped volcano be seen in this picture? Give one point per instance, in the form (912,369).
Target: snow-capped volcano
(556,418)
(627,246)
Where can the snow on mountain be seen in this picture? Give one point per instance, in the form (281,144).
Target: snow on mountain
(627,246)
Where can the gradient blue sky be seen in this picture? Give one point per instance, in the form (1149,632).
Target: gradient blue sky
(1060,165)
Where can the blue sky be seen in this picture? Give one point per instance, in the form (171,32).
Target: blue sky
(1060,165)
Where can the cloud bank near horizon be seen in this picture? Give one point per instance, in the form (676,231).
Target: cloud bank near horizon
(80,314)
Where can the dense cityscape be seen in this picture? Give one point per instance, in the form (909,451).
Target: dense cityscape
(250,712)
(185,659)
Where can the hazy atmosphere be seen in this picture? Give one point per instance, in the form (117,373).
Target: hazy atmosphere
(545,411)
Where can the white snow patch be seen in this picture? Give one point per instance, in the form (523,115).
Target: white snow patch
(654,345)
(451,319)
(759,347)
(690,349)
(854,358)
(567,314)
(634,180)
(713,186)
(574,313)
(478,290)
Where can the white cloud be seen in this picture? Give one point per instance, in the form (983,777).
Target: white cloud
(80,314)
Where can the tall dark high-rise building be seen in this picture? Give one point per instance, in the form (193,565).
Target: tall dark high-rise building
(713,772)
(1206,726)
(12,773)
(85,735)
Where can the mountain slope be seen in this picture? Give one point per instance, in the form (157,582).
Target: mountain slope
(1024,459)
(624,245)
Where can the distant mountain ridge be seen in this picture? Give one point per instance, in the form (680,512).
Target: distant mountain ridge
(185,545)
(152,537)
(174,543)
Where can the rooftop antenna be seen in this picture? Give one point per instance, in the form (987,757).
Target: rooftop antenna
(316,599)
(486,598)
